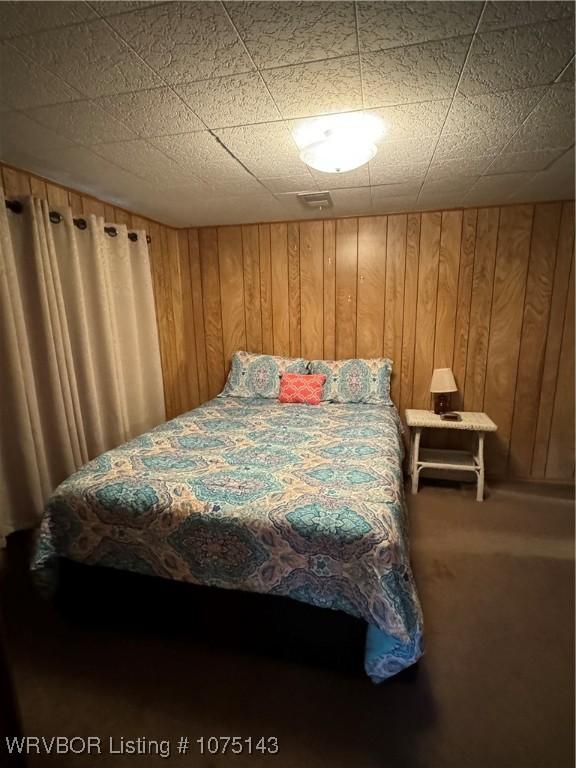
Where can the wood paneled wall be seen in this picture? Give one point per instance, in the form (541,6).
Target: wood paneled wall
(488,292)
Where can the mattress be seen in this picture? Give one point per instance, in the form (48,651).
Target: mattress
(250,494)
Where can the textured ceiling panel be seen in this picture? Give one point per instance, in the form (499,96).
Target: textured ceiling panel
(550,125)
(185,111)
(278,33)
(114,7)
(360,177)
(144,160)
(406,121)
(404,189)
(485,112)
(504,13)
(156,112)
(453,168)
(20,132)
(396,174)
(500,184)
(395,24)
(232,100)
(185,41)
(415,73)
(284,184)
(517,58)
(90,57)
(332,85)
(18,18)
(81,121)
(24,84)
(267,150)
(524,161)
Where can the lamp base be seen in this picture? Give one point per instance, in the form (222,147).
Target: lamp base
(441,402)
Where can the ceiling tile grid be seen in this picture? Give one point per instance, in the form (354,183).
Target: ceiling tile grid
(185,109)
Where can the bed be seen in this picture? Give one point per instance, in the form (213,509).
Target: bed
(250,494)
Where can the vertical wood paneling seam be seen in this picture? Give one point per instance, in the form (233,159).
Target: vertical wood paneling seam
(220,302)
(507,468)
(417,299)
(566,313)
(271,284)
(491,305)
(244,284)
(386,285)
(544,356)
(458,294)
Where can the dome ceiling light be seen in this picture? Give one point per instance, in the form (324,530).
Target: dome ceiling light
(339,143)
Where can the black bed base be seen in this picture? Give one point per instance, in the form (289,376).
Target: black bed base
(268,625)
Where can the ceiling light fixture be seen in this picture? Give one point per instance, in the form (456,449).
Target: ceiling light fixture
(339,143)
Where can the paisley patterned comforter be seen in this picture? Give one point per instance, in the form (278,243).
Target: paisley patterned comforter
(296,500)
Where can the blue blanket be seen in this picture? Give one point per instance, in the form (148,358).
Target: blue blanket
(295,500)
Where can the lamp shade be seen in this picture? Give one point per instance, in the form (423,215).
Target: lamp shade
(443,381)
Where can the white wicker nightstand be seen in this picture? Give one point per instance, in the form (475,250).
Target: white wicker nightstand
(434,458)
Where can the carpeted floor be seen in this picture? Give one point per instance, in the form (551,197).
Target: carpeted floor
(495,688)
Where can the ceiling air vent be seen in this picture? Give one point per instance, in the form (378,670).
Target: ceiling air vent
(318,200)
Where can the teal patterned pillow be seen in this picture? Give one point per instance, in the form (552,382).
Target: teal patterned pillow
(355,381)
(253,375)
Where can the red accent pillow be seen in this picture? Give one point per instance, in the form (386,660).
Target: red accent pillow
(301,388)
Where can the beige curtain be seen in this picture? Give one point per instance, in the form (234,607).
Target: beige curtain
(79,358)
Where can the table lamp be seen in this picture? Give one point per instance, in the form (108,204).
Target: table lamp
(442,384)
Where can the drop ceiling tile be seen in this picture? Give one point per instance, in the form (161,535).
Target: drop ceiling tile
(550,125)
(503,14)
(235,210)
(405,121)
(489,111)
(468,145)
(396,174)
(19,132)
(82,121)
(455,186)
(154,112)
(524,161)
(24,84)
(239,184)
(114,7)
(495,188)
(302,183)
(323,87)
(403,189)
(567,76)
(415,73)
(140,158)
(359,177)
(90,57)
(200,153)
(410,151)
(279,33)
(435,201)
(395,24)
(399,204)
(517,58)
(351,201)
(460,166)
(232,100)
(555,183)
(25,18)
(81,168)
(185,40)
(267,149)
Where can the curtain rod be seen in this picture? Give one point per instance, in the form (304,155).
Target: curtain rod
(16,207)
